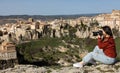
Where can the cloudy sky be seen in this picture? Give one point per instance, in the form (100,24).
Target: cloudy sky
(57,7)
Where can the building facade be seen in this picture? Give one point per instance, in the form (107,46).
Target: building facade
(7,51)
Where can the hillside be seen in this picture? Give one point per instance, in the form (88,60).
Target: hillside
(53,51)
(12,18)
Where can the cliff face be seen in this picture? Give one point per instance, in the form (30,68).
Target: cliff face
(26,32)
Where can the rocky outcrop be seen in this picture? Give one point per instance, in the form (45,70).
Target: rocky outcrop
(101,68)
(8,63)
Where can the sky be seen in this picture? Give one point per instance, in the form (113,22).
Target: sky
(57,7)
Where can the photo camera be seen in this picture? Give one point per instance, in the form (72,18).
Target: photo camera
(98,33)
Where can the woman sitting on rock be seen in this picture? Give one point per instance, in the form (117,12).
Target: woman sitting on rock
(104,52)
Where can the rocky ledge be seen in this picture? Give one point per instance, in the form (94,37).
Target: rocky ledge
(101,68)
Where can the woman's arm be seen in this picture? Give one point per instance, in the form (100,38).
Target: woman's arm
(103,43)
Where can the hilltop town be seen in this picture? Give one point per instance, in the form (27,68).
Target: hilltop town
(34,29)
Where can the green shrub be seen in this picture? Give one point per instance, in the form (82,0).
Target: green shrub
(117,42)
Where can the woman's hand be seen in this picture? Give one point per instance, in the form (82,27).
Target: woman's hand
(98,36)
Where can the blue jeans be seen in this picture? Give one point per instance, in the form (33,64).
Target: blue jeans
(98,55)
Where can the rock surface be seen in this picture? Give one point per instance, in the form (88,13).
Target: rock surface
(101,68)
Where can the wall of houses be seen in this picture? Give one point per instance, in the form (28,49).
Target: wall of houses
(7,51)
(111,20)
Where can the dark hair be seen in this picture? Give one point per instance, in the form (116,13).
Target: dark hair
(107,30)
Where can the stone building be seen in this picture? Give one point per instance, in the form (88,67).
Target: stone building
(112,19)
(7,51)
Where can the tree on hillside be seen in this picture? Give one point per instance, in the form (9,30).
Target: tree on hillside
(83,27)
(94,23)
(116,32)
(1,33)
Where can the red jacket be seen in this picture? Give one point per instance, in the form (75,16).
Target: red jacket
(108,46)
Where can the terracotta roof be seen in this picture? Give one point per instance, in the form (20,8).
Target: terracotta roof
(4,51)
(7,44)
